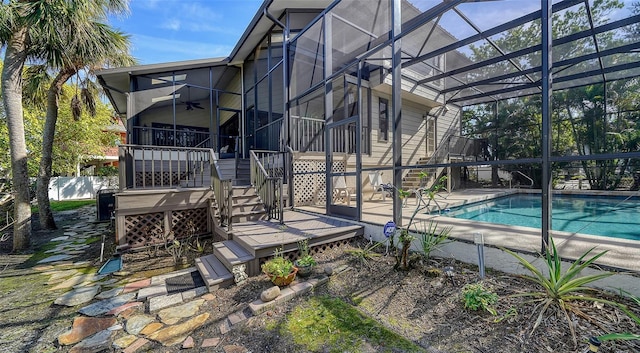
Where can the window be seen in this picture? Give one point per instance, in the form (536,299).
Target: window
(383,122)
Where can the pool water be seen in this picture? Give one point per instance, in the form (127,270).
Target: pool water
(610,217)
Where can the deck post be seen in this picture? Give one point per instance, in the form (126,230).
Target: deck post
(547,90)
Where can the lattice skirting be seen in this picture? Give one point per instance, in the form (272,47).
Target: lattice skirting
(148,229)
(310,189)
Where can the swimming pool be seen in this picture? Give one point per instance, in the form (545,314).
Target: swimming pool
(610,217)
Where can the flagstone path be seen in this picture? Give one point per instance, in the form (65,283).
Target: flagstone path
(135,314)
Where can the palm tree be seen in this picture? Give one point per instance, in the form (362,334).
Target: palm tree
(39,30)
(105,47)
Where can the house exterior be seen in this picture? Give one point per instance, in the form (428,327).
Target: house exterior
(313,94)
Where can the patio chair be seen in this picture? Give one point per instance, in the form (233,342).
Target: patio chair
(341,190)
(379,186)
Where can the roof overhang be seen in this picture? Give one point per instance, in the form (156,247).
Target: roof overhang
(117,81)
(261,24)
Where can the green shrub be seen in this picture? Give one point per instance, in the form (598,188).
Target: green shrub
(476,297)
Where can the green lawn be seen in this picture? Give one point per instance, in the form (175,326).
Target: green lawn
(57,206)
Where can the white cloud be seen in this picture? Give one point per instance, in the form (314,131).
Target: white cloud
(172,24)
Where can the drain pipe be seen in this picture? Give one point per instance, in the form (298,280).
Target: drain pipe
(478,239)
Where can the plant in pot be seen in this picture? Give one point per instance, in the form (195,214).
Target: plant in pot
(305,262)
(279,269)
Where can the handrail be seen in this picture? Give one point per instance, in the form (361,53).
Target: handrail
(526,177)
(268,186)
(222,189)
(290,191)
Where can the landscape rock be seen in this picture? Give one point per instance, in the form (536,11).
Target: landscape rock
(328,270)
(172,315)
(135,346)
(188,343)
(78,296)
(176,334)
(84,327)
(121,308)
(270,294)
(210,342)
(136,323)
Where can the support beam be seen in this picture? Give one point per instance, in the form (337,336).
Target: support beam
(396,105)
(547,90)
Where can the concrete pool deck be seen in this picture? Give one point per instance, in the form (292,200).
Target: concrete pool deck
(622,255)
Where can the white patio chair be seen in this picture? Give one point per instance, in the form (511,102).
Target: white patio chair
(379,186)
(341,190)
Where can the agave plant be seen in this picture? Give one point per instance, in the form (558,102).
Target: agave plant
(561,289)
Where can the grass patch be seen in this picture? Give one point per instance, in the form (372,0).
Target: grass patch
(57,206)
(325,324)
(40,253)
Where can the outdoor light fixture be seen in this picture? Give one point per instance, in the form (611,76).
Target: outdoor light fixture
(449,272)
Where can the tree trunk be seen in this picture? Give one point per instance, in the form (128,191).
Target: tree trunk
(15,56)
(44,172)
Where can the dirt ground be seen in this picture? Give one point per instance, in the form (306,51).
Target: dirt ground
(427,310)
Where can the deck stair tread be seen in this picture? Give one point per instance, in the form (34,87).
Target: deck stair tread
(231,254)
(213,271)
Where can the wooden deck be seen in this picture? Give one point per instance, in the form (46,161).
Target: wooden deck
(262,237)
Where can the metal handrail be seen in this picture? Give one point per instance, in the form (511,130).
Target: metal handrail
(268,186)
(526,177)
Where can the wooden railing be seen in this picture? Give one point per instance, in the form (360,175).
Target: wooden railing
(268,170)
(153,167)
(222,189)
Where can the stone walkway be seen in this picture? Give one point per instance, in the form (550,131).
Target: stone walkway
(133,314)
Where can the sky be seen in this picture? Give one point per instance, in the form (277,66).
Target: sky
(176,30)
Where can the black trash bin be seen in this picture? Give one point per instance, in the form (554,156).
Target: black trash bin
(105,204)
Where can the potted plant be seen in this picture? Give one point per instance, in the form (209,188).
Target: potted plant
(305,262)
(279,269)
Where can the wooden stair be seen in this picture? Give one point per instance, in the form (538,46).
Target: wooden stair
(246,205)
(214,273)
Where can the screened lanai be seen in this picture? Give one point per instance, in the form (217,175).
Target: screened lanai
(535,95)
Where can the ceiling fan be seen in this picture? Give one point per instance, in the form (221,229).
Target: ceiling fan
(189,103)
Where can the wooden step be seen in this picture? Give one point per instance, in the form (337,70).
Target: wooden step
(247,216)
(214,273)
(243,207)
(231,254)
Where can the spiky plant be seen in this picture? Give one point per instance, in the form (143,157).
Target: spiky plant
(562,289)
(625,336)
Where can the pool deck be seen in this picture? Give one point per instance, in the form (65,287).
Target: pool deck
(622,253)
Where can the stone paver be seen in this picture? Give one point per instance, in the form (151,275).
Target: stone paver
(109,293)
(124,341)
(175,334)
(151,328)
(97,343)
(174,314)
(121,308)
(232,348)
(55,258)
(84,327)
(78,296)
(135,346)
(103,306)
(131,287)
(136,323)
(152,291)
(163,301)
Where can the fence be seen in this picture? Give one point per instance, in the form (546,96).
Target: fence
(72,188)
